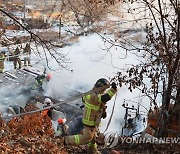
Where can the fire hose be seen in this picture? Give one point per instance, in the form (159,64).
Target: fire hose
(59,102)
(110,118)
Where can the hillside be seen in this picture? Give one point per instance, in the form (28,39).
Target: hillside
(131,43)
(34,134)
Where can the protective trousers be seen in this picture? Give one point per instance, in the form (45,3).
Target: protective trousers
(88,137)
(27,61)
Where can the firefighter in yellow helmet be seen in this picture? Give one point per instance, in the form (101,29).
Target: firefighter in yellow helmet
(94,110)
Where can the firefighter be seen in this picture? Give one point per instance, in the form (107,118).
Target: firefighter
(48,112)
(2,58)
(73,127)
(62,128)
(27,53)
(40,80)
(94,110)
(16,58)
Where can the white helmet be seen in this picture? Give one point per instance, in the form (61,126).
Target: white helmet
(47,100)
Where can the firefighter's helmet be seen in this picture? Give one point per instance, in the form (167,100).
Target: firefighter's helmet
(101,82)
(49,76)
(47,101)
(60,121)
(4,50)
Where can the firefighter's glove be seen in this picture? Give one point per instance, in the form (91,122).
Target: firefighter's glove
(100,139)
(82,106)
(113,85)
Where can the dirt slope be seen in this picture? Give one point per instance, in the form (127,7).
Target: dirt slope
(33,134)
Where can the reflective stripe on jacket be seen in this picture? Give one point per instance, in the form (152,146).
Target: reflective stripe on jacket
(40,79)
(39,82)
(93,107)
(2,57)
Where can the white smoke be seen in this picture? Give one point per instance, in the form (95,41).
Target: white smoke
(10,94)
(89,62)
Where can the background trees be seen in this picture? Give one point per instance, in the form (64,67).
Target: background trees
(160,53)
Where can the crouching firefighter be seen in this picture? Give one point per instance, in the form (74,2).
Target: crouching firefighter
(94,105)
(48,112)
(62,128)
(41,81)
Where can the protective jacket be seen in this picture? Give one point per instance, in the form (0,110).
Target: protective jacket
(48,112)
(40,80)
(2,57)
(94,107)
(62,129)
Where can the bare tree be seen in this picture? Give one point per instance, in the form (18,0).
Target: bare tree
(87,12)
(160,54)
